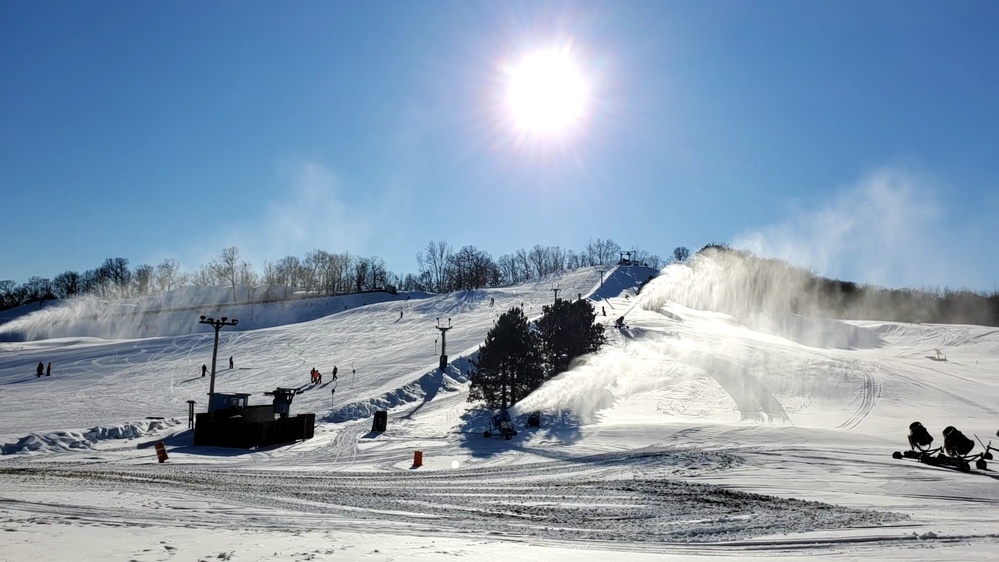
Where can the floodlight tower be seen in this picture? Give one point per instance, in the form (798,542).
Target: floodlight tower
(217,324)
(443,330)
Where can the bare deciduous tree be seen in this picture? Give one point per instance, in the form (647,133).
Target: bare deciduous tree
(247,276)
(117,276)
(142,280)
(8,293)
(361,269)
(435,260)
(227,267)
(168,275)
(289,271)
(269,273)
(340,265)
(66,284)
(602,252)
(37,288)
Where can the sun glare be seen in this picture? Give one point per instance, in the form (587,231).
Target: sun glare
(546,93)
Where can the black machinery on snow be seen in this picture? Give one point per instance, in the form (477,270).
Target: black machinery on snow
(501,424)
(955,452)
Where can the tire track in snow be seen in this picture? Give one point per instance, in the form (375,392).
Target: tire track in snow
(621,496)
(869,397)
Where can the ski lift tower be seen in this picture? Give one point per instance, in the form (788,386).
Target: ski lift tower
(443,330)
(217,324)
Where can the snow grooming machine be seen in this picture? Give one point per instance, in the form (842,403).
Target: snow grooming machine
(955,452)
(501,424)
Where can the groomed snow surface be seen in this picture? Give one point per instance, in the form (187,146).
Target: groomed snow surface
(691,434)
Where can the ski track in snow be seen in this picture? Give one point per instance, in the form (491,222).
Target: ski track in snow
(584,500)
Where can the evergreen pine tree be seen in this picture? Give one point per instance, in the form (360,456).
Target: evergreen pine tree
(568,330)
(508,366)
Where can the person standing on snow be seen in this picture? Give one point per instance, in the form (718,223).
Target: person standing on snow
(204,370)
(230,362)
(40,369)
(48,370)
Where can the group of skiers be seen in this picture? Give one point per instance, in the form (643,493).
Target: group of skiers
(317,377)
(204,368)
(43,370)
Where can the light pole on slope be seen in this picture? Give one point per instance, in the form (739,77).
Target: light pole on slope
(217,324)
(443,329)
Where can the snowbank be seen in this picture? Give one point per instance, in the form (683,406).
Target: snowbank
(68,440)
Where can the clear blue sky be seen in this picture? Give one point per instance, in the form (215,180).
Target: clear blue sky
(858,138)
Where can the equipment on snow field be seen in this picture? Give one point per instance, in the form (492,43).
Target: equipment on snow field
(282,400)
(919,437)
(955,452)
(955,443)
(502,424)
(919,443)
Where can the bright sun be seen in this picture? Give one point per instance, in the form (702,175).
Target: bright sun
(546,93)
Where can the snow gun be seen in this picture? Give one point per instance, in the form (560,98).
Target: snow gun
(955,452)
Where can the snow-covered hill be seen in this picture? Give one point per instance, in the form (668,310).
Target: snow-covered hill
(691,432)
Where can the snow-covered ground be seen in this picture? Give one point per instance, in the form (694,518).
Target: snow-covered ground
(691,433)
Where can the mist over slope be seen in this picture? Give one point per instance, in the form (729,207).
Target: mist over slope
(744,285)
(762,296)
(177,313)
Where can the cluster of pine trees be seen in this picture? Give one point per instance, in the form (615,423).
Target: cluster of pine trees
(518,356)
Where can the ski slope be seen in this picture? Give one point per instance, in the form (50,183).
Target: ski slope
(691,433)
